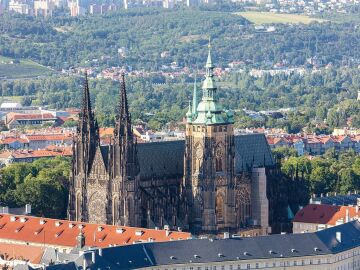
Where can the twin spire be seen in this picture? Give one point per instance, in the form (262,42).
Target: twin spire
(88,126)
(123,119)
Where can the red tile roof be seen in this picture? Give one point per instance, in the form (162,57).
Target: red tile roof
(63,232)
(18,116)
(49,137)
(21,252)
(9,140)
(51,151)
(323,214)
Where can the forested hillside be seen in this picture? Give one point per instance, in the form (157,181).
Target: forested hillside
(62,42)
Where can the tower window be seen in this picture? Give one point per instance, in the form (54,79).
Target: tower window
(218,165)
(220,128)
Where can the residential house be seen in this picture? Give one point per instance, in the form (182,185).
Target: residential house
(9,157)
(15,120)
(316,217)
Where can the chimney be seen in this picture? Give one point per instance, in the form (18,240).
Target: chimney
(84,262)
(167,232)
(80,239)
(27,209)
(93,255)
(338,236)
(100,252)
(357,209)
(226,235)
(347,217)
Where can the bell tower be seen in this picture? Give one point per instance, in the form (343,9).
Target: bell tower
(209,160)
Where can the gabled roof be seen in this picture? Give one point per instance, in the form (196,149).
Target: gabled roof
(48,137)
(31,254)
(51,151)
(43,116)
(324,214)
(64,232)
(238,250)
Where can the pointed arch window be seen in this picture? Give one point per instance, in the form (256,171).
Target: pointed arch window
(219,207)
(218,164)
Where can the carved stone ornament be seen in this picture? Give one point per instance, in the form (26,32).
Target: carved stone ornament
(199,152)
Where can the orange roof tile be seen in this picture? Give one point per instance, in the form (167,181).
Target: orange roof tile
(323,214)
(21,252)
(106,132)
(48,137)
(18,116)
(51,151)
(63,232)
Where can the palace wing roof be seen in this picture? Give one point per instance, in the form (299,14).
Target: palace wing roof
(235,249)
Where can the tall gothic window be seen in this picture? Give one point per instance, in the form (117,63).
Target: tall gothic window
(243,203)
(115,210)
(218,165)
(219,207)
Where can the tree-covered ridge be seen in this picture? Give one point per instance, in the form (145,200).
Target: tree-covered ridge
(62,42)
(42,183)
(329,94)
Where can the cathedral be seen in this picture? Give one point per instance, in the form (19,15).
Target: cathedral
(213,181)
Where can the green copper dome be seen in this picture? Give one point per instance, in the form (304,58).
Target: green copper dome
(209,111)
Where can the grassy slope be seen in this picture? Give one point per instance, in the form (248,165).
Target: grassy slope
(269,17)
(24,69)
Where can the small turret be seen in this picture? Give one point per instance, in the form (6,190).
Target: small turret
(80,240)
(189,114)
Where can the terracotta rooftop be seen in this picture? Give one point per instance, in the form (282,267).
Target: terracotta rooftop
(21,252)
(51,151)
(324,214)
(49,137)
(63,232)
(8,140)
(18,116)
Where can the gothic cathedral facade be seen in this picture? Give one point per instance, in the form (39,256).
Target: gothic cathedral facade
(213,181)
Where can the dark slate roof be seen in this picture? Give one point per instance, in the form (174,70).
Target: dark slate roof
(167,158)
(161,159)
(252,150)
(234,249)
(350,199)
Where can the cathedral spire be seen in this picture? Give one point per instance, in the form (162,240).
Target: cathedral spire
(123,123)
(209,88)
(209,110)
(86,103)
(86,124)
(209,64)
